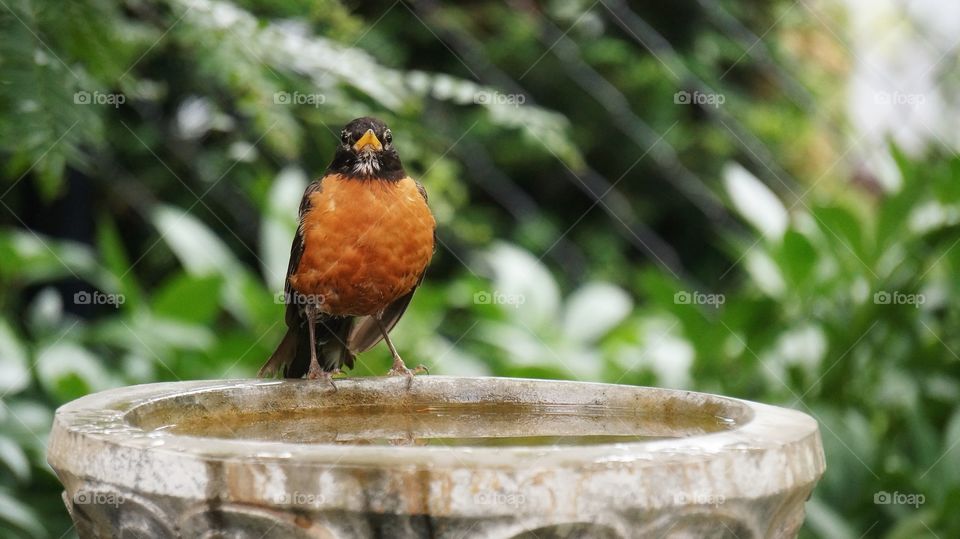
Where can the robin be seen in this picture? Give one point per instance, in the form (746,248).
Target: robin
(364,239)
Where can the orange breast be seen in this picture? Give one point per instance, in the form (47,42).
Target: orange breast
(366,242)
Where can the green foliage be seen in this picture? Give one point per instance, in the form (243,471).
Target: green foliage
(783,290)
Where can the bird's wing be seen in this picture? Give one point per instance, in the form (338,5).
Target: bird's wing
(290,351)
(365,333)
(294,316)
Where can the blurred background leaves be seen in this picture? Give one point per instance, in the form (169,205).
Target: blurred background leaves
(695,194)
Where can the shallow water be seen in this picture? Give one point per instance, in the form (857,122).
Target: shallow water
(466,425)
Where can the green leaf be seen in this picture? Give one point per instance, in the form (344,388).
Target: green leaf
(593,310)
(157,337)
(116,262)
(202,254)
(755,202)
(45,313)
(915,525)
(764,272)
(68,371)
(258,305)
(30,425)
(14,458)
(189,298)
(14,372)
(199,250)
(842,228)
(797,258)
(19,515)
(949,466)
(523,287)
(826,522)
(37,258)
(39,91)
(280,224)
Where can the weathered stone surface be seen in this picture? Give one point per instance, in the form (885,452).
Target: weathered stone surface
(448,457)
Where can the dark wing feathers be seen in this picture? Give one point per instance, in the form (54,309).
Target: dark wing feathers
(293,353)
(293,317)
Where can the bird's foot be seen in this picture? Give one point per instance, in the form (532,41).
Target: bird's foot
(316,372)
(400,369)
(328,378)
(421,369)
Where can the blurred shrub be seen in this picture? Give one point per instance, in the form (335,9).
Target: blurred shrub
(146,240)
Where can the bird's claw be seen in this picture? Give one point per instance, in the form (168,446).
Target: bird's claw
(421,369)
(399,369)
(314,374)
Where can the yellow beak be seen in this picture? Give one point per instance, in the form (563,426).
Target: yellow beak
(368,139)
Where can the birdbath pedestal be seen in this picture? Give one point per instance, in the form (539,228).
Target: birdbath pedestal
(442,457)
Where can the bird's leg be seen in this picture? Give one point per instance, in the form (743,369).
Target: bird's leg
(398,368)
(315,370)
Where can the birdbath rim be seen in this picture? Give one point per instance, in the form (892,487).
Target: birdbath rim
(755,467)
(118,417)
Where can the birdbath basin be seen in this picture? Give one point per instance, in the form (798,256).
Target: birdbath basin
(442,457)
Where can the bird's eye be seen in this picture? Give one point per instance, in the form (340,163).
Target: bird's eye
(388,136)
(344,136)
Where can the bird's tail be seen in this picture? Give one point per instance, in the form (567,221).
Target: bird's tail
(291,359)
(283,356)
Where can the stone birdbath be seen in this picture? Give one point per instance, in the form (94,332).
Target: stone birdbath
(444,457)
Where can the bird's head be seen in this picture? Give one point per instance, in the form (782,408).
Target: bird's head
(366,151)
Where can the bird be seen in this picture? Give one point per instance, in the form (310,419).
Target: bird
(364,238)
